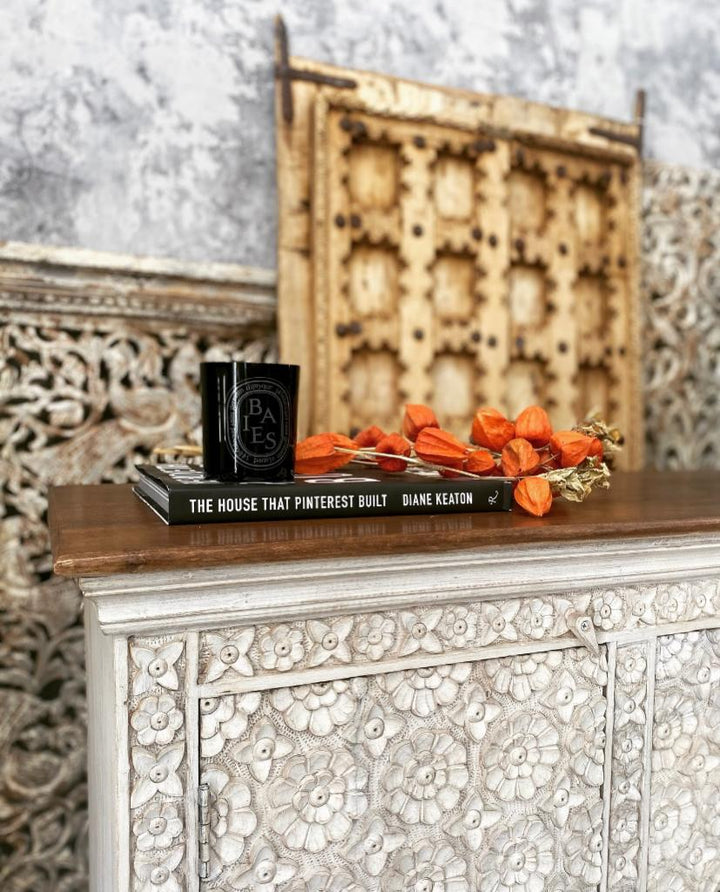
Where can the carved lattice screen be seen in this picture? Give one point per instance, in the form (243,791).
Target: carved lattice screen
(448,247)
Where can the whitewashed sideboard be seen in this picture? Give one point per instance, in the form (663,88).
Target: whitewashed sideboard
(436,704)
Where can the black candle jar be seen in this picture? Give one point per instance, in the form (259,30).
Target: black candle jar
(249,420)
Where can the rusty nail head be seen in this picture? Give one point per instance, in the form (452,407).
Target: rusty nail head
(492,341)
(563,248)
(339,221)
(561,170)
(417,229)
(346,124)
(520,245)
(418,334)
(475,336)
(622,263)
(476,233)
(563,347)
(492,241)
(355,221)
(419,141)
(341,330)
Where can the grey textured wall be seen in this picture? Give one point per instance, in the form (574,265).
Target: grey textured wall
(146,125)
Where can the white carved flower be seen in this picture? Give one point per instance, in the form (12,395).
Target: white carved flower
(520,857)
(697,853)
(522,676)
(642,606)
(628,745)
(587,743)
(671,601)
(625,823)
(674,652)
(281,648)
(459,626)
(535,618)
(157,827)
(329,640)
(156,719)
(326,879)
(562,797)
(475,819)
(495,622)
(156,666)
(631,666)
(701,763)
(590,665)
(158,876)
(266,871)
(703,596)
(629,708)
(232,819)
(228,651)
(607,608)
(377,842)
(374,636)
(701,675)
(422,690)
(373,726)
(224,718)
(425,777)
(521,757)
(583,849)
(156,773)
(671,821)
(427,866)
(318,708)
(566,696)
(674,724)
(264,745)
(419,632)
(317,798)
(711,809)
(474,711)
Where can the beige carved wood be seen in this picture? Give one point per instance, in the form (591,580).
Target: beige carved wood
(455,248)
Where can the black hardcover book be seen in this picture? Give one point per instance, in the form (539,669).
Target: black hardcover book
(181,494)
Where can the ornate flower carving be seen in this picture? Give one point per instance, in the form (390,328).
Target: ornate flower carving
(563,797)
(589,665)
(156,773)
(628,743)
(157,827)
(419,632)
(228,651)
(521,757)
(607,609)
(373,727)
(437,868)
(523,675)
(266,871)
(156,666)
(495,622)
(519,857)
(631,666)
(587,743)
(158,876)
(475,819)
(535,618)
(329,640)
(317,798)
(566,696)
(458,626)
(625,824)
(156,719)
(474,711)
(675,723)
(224,718)
(629,707)
(377,843)
(263,747)
(231,818)
(674,652)
(425,777)
(422,690)
(671,822)
(583,849)
(318,708)
(374,636)
(671,601)
(281,648)
(327,879)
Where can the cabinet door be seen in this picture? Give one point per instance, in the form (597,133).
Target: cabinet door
(684,849)
(453,778)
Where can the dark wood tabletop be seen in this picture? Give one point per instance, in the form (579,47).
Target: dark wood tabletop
(100,530)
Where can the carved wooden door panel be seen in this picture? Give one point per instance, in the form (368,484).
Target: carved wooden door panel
(473,775)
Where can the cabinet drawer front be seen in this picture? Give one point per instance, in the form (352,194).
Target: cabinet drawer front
(463,776)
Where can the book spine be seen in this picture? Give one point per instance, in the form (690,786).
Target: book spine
(338,500)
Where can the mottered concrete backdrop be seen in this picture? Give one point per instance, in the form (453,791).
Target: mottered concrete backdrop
(147,126)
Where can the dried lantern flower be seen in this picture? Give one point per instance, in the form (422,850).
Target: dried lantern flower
(417,417)
(480,462)
(519,458)
(596,448)
(369,437)
(440,447)
(534,495)
(317,455)
(571,446)
(396,445)
(533,425)
(491,429)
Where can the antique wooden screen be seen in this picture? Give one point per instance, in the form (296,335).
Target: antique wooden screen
(454,248)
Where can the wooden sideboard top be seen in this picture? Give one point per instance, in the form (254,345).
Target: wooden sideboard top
(100,530)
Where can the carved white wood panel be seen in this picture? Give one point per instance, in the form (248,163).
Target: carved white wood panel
(454,778)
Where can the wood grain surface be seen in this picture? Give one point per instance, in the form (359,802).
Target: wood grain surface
(100,530)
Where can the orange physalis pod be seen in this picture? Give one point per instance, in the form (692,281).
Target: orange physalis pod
(491,429)
(572,447)
(480,462)
(533,425)
(417,417)
(519,458)
(371,436)
(534,495)
(440,448)
(396,445)
(317,455)
(596,449)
